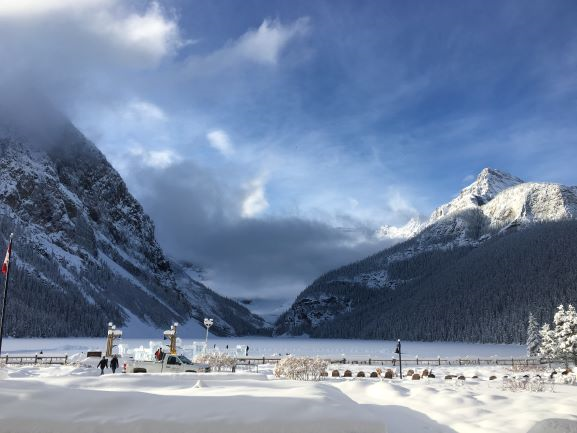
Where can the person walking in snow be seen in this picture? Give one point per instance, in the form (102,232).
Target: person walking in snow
(114,364)
(103,364)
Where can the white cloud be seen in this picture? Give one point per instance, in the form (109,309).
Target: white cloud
(255,201)
(141,110)
(150,33)
(78,37)
(265,44)
(219,140)
(159,159)
(21,8)
(399,204)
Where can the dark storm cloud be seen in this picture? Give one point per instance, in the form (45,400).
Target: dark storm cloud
(198,218)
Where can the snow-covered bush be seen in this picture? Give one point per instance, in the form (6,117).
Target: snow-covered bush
(301,368)
(217,361)
(516,384)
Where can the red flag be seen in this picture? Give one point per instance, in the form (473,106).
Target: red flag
(7,258)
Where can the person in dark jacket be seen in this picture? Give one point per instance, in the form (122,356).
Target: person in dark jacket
(103,364)
(114,364)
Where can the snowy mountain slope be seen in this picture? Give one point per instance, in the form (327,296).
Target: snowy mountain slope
(74,217)
(410,229)
(495,205)
(488,185)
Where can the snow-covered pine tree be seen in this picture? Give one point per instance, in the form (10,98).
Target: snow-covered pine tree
(548,347)
(565,333)
(533,336)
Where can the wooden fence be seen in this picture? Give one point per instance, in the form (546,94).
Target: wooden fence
(34,360)
(413,361)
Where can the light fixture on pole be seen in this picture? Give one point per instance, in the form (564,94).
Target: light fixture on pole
(171,335)
(112,335)
(398,350)
(208,323)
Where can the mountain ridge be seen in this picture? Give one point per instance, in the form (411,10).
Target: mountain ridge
(479,218)
(84,242)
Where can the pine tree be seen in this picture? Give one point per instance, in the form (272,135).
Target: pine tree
(548,347)
(565,333)
(533,336)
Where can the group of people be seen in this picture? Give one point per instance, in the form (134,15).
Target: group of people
(104,364)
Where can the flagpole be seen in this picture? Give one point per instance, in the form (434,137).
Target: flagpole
(5,291)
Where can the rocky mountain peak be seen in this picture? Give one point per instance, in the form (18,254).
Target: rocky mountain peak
(488,184)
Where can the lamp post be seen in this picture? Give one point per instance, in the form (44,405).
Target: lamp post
(398,350)
(171,335)
(208,323)
(112,335)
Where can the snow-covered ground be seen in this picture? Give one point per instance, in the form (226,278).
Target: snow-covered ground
(76,399)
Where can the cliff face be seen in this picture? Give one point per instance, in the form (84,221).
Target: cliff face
(74,218)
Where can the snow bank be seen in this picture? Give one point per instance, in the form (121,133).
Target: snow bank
(67,400)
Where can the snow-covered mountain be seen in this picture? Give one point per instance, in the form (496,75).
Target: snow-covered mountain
(481,217)
(85,251)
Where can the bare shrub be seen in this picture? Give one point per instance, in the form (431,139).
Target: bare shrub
(217,361)
(517,384)
(301,368)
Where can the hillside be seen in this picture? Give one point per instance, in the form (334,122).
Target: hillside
(472,272)
(84,250)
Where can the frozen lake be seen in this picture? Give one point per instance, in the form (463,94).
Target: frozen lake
(264,346)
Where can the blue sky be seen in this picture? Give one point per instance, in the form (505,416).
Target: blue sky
(269,139)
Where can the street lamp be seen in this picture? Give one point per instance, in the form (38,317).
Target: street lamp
(208,323)
(398,350)
(112,335)
(171,335)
